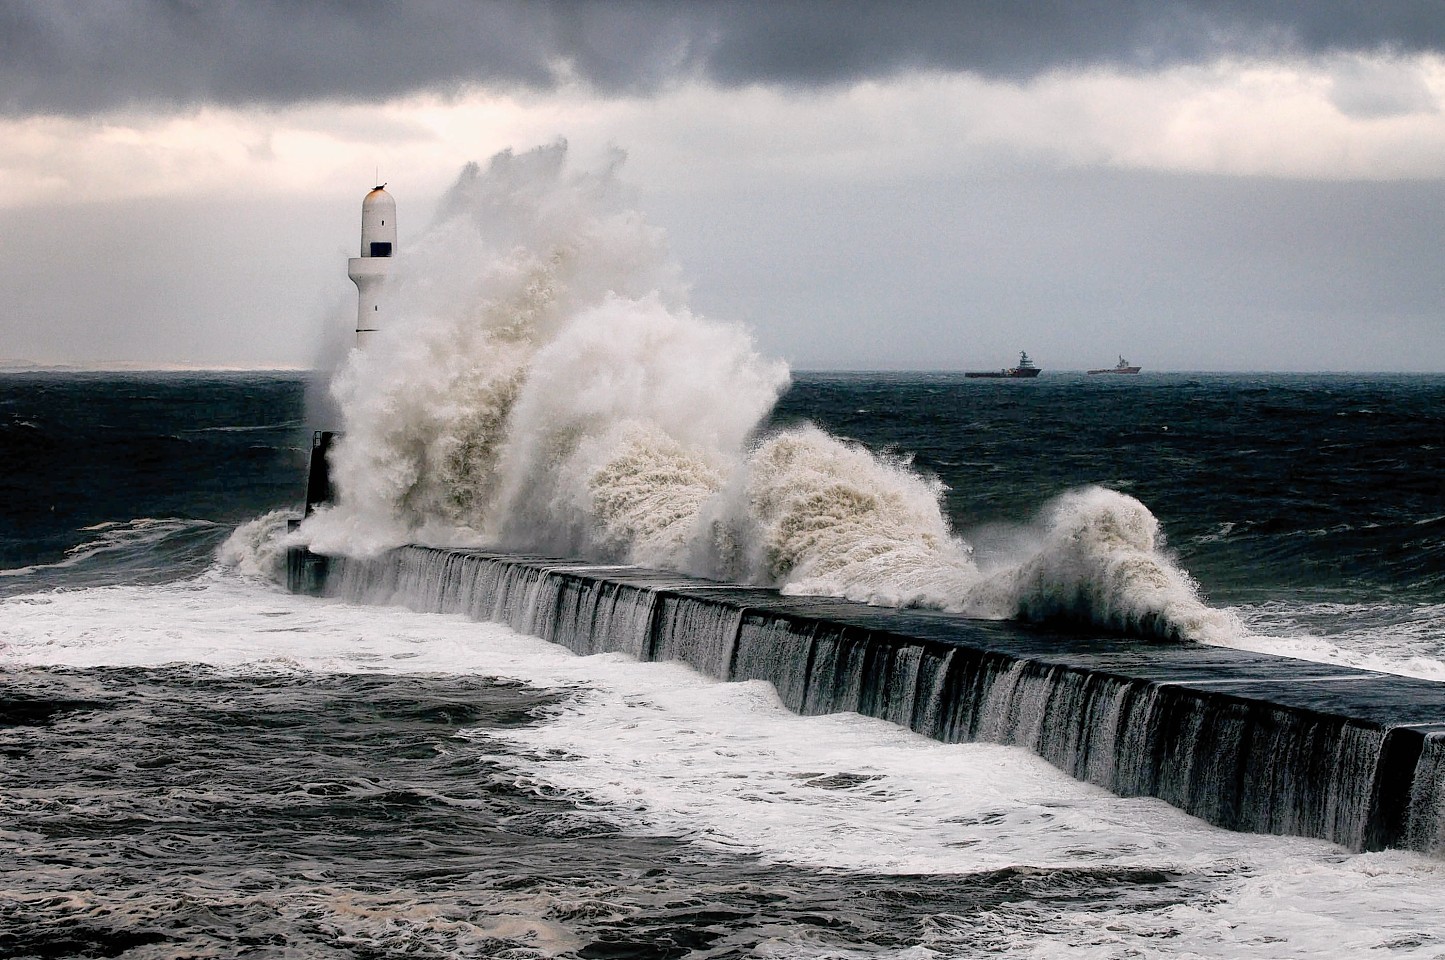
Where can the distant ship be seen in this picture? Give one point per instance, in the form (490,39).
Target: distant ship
(1023,371)
(1121,367)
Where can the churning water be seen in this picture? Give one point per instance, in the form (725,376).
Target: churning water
(194,763)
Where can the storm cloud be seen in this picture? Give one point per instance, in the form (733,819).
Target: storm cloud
(1199,184)
(78,59)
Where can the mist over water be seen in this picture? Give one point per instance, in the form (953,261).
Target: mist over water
(544,387)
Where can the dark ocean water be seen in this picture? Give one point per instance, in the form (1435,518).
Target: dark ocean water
(1265,484)
(139,477)
(196,764)
(211,847)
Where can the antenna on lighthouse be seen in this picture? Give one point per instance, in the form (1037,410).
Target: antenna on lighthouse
(370,270)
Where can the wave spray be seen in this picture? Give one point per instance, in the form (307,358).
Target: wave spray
(544,387)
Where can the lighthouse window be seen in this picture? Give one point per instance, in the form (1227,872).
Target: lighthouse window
(380,248)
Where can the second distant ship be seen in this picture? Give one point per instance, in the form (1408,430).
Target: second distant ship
(1123,366)
(1023,371)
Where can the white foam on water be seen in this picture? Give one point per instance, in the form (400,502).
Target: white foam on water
(660,750)
(117,538)
(1393,637)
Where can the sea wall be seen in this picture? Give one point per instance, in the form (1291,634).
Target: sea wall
(1244,740)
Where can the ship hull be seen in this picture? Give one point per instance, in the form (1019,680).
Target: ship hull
(1016,374)
(1024,371)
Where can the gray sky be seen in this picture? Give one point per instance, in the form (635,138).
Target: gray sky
(1199,185)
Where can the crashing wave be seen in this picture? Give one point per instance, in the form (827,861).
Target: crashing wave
(1101,563)
(546,389)
(836,520)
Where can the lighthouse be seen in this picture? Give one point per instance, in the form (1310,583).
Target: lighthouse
(369,271)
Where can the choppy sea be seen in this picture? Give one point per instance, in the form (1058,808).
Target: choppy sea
(194,763)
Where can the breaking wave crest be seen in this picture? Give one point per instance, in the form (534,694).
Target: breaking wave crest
(835,519)
(1101,563)
(257,548)
(544,387)
(141,550)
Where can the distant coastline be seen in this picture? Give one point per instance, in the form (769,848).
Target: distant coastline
(29,366)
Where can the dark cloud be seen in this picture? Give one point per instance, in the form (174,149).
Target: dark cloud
(84,57)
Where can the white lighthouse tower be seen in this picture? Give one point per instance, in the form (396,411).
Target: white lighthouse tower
(369,271)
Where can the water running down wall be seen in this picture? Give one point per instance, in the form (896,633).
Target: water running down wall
(1243,740)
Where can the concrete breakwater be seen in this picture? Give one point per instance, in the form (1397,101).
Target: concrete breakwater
(1246,741)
